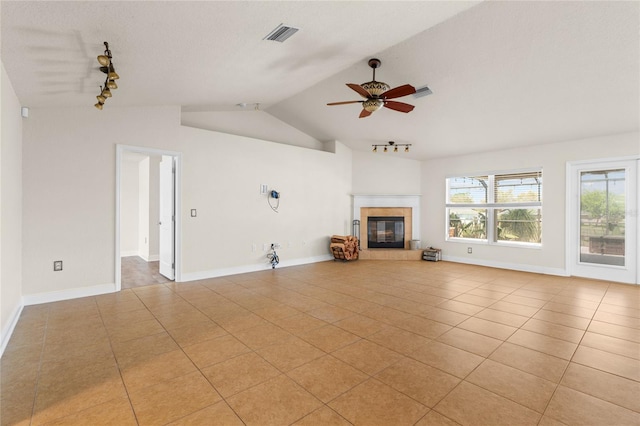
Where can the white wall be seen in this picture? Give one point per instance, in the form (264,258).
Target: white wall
(148,214)
(154,208)
(222,175)
(552,158)
(130,208)
(10,210)
(143,208)
(69,192)
(250,123)
(69,197)
(385,173)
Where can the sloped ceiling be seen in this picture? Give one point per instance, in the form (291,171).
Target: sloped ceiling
(504,74)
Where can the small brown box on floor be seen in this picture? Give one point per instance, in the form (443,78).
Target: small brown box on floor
(432,254)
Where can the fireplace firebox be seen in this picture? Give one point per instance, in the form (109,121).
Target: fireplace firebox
(385,232)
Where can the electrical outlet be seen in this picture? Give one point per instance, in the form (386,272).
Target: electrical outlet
(469,250)
(254,247)
(263,188)
(57,265)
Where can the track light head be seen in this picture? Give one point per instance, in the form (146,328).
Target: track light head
(112,85)
(99,105)
(112,73)
(103,60)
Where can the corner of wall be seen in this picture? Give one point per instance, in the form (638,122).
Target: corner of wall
(7,329)
(11,302)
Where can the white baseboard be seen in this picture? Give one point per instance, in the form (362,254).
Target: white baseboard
(214,273)
(151,258)
(7,330)
(73,293)
(512,266)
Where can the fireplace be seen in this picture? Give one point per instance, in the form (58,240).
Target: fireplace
(385,232)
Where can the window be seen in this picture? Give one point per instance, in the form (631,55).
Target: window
(496,208)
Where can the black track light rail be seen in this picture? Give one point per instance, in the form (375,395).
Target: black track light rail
(391,144)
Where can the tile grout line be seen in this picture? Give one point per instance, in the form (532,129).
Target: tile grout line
(564,372)
(40,363)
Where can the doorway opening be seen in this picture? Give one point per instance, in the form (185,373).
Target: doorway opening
(147,216)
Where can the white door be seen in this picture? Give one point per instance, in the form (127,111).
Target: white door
(167,217)
(603,242)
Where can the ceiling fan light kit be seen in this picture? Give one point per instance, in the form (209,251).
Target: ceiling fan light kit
(378,94)
(109,84)
(391,144)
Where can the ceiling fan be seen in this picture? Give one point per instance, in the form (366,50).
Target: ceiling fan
(377,94)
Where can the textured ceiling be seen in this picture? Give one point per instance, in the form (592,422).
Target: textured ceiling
(504,74)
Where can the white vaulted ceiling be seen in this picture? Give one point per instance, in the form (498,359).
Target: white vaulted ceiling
(504,74)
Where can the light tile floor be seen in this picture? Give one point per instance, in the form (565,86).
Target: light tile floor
(366,343)
(136,272)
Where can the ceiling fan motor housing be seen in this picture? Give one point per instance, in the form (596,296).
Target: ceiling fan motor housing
(372,105)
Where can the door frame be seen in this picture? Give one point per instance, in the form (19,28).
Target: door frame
(572,224)
(177,242)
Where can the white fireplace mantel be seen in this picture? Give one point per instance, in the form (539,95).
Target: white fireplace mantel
(413,201)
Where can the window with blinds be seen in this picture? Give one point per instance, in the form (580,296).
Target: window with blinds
(468,190)
(518,188)
(496,208)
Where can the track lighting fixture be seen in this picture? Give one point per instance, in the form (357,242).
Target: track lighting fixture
(106,67)
(391,144)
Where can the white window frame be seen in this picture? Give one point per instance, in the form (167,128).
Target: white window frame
(491,207)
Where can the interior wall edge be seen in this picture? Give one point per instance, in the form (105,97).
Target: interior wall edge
(10,326)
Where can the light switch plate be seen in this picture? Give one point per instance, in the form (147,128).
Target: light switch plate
(194,213)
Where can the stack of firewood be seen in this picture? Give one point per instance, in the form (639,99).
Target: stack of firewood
(344,247)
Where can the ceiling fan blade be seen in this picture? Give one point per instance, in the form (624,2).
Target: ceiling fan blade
(398,106)
(365,113)
(359,89)
(345,102)
(399,92)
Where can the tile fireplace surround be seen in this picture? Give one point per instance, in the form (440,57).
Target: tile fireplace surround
(407,206)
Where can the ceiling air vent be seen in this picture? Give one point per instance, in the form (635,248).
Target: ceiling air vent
(281,33)
(422,91)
